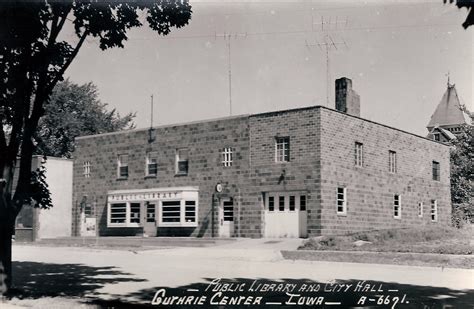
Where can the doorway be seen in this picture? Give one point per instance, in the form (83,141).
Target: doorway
(226,218)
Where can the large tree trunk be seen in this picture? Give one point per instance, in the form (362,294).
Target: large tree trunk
(6,232)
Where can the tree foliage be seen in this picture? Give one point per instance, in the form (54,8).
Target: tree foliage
(74,110)
(462,175)
(35,52)
(469,5)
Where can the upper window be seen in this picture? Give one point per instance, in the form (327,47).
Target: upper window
(396,207)
(392,161)
(182,161)
(436,137)
(434,210)
(436,171)
(420,209)
(87,169)
(122,165)
(341,201)
(282,149)
(151,164)
(227,156)
(359,154)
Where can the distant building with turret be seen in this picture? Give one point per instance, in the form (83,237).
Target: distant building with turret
(449,117)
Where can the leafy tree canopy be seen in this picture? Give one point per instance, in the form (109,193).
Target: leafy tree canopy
(74,110)
(469,5)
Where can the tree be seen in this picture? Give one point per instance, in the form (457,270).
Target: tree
(469,5)
(72,111)
(462,175)
(34,55)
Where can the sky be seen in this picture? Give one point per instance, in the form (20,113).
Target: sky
(397,53)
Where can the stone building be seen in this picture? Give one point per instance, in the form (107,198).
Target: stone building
(292,173)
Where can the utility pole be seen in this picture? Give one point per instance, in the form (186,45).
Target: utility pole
(228,37)
(328,44)
(151,131)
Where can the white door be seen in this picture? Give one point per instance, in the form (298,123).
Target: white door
(285,215)
(226,218)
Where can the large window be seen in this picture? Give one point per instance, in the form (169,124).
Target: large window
(135,212)
(227,156)
(122,166)
(359,154)
(341,201)
(436,171)
(118,213)
(171,211)
(434,210)
(182,161)
(282,149)
(151,164)
(392,161)
(397,207)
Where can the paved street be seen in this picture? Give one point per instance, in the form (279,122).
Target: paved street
(137,275)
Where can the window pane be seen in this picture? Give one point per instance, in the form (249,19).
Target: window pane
(150,212)
(303,202)
(292,203)
(135,212)
(271,203)
(228,211)
(171,211)
(118,213)
(190,211)
(281,203)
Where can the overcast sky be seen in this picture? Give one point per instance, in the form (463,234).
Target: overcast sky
(398,55)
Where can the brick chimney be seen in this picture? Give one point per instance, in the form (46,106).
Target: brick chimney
(347,100)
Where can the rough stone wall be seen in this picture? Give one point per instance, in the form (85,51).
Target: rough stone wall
(370,188)
(205,140)
(301,173)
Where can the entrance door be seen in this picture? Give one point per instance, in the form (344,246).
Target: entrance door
(149,225)
(226,218)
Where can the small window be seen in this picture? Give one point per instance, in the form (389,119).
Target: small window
(122,164)
(151,164)
(303,203)
(190,211)
(118,212)
(227,157)
(228,211)
(392,161)
(436,137)
(436,171)
(282,149)
(271,203)
(182,161)
(420,209)
(341,201)
(150,212)
(396,207)
(359,154)
(87,169)
(135,212)
(434,210)
(171,211)
(292,202)
(281,203)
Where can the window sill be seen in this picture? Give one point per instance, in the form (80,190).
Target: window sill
(122,178)
(150,176)
(397,218)
(180,174)
(342,214)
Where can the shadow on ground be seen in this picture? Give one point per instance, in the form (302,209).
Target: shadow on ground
(36,280)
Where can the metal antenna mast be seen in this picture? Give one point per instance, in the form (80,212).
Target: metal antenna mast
(228,37)
(327,45)
(151,114)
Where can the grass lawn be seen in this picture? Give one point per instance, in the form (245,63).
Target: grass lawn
(432,239)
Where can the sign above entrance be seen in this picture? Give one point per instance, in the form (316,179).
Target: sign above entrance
(149,194)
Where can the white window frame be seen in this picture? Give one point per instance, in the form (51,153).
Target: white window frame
(343,200)
(87,169)
(178,160)
(392,161)
(398,207)
(359,154)
(275,196)
(149,157)
(282,149)
(120,164)
(436,137)
(434,211)
(227,156)
(420,209)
